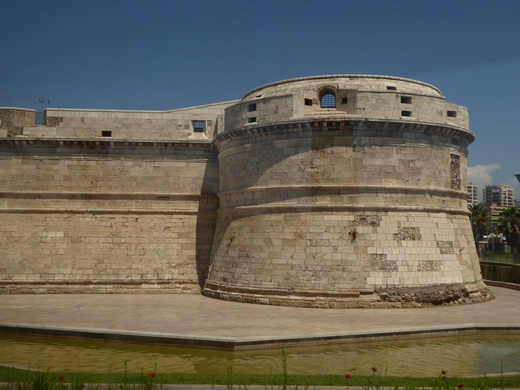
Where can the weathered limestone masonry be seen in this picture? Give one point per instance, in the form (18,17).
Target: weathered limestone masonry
(108,201)
(342,192)
(334,191)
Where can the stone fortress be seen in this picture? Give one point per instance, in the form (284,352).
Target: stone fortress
(340,191)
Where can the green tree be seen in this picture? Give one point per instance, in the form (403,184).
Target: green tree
(509,225)
(480,222)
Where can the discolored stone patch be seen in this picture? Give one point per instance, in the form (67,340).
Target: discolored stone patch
(408,234)
(446,247)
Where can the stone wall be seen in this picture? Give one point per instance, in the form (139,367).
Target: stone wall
(194,123)
(365,97)
(276,198)
(349,205)
(13,120)
(501,272)
(83,216)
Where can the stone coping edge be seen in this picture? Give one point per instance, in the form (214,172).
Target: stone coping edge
(343,76)
(262,342)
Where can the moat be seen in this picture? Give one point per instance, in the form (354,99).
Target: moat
(460,356)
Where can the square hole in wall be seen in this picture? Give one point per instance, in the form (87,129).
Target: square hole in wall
(199,126)
(391,88)
(106,133)
(308,102)
(406,113)
(452,114)
(344,100)
(406,99)
(251,120)
(251,107)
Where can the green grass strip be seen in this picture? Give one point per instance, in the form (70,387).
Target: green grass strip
(49,379)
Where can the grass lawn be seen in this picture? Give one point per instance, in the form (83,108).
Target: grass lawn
(145,381)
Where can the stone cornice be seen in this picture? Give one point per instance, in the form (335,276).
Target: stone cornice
(350,188)
(274,208)
(102,195)
(101,146)
(335,125)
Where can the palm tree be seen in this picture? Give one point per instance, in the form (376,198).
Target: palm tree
(509,225)
(480,222)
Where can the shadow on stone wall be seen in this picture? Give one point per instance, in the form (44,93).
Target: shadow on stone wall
(206,219)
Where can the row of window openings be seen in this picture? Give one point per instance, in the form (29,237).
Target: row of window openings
(329,101)
(198,127)
(451,114)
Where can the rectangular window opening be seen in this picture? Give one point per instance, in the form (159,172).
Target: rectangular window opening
(251,107)
(452,114)
(199,126)
(406,99)
(106,133)
(344,100)
(391,88)
(308,102)
(406,113)
(251,120)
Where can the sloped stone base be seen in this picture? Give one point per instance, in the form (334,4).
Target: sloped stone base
(389,298)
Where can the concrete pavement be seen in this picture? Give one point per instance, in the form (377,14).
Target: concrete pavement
(188,319)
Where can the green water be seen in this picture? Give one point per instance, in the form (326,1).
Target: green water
(460,356)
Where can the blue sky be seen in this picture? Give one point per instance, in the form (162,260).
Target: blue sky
(159,55)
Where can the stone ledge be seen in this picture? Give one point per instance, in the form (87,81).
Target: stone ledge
(80,210)
(99,287)
(256,343)
(312,125)
(300,208)
(380,298)
(100,146)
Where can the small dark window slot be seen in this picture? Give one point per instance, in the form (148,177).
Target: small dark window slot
(452,114)
(406,99)
(344,100)
(251,107)
(308,102)
(251,120)
(106,133)
(199,126)
(406,113)
(391,88)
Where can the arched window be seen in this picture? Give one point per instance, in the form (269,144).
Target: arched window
(328,100)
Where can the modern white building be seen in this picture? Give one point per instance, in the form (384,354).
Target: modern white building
(499,195)
(472,193)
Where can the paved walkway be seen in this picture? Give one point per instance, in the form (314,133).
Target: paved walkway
(195,319)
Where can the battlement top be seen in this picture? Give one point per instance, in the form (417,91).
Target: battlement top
(376,83)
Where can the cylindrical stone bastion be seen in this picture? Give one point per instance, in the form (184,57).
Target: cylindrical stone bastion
(344,191)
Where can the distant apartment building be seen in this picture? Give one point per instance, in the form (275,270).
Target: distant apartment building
(472,194)
(517,202)
(499,196)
